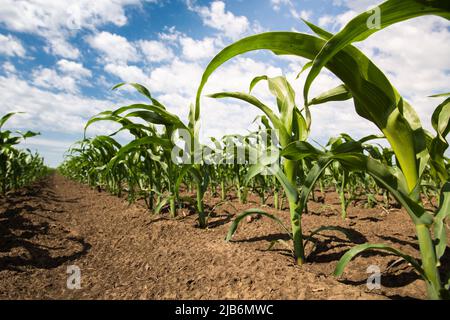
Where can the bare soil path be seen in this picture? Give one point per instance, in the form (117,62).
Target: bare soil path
(124,252)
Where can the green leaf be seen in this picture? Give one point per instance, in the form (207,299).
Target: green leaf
(248,212)
(440,95)
(137,144)
(299,150)
(289,188)
(255,81)
(388,179)
(6,118)
(29,134)
(353,252)
(359,28)
(278,125)
(313,175)
(440,121)
(304,68)
(140,88)
(319,31)
(161,204)
(440,231)
(342,230)
(340,93)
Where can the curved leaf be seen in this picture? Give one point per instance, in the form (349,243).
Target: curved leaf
(360,28)
(340,93)
(353,252)
(239,218)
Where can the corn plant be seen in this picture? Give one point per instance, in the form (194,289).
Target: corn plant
(290,126)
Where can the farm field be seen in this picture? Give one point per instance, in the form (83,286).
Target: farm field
(57,222)
(249,164)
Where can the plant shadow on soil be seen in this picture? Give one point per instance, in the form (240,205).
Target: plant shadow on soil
(29,238)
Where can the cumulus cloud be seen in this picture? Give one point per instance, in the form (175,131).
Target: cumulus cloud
(295,13)
(217,17)
(155,51)
(9,68)
(62,112)
(66,76)
(356,5)
(73,68)
(113,47)
(59,46)
(127,73)
(198,49)
(56,20)
(11,46)
(337,22)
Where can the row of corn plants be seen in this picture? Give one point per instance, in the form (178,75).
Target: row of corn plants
(407,169)
(18,167)
(376,100)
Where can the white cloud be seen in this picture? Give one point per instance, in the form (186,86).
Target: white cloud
(276,4)
(127,73)
(304,14)
(9,68)
(50,79)
(218,18)
(326,20)
(73,68)
(297,14)
(177,77)
(356,5)
(337,22)
(59,46)
(113,47)
(71,74)
(170,34)
(51,16)
(11,46)
(43,142)
(155,51)
(60,112)
(56,20)
(198,49)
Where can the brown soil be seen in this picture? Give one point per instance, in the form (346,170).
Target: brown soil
(124,252)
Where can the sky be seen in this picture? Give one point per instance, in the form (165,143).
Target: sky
(60,59)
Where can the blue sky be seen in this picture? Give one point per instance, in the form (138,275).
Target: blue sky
(58,61)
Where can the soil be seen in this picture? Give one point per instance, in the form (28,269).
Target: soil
(125,252)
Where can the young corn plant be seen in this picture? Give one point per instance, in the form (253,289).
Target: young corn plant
(290,125)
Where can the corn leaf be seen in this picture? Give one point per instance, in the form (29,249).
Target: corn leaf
(356,250)
(359,28)
(239,218)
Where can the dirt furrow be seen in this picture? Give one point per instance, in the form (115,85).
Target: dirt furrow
(123,252)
